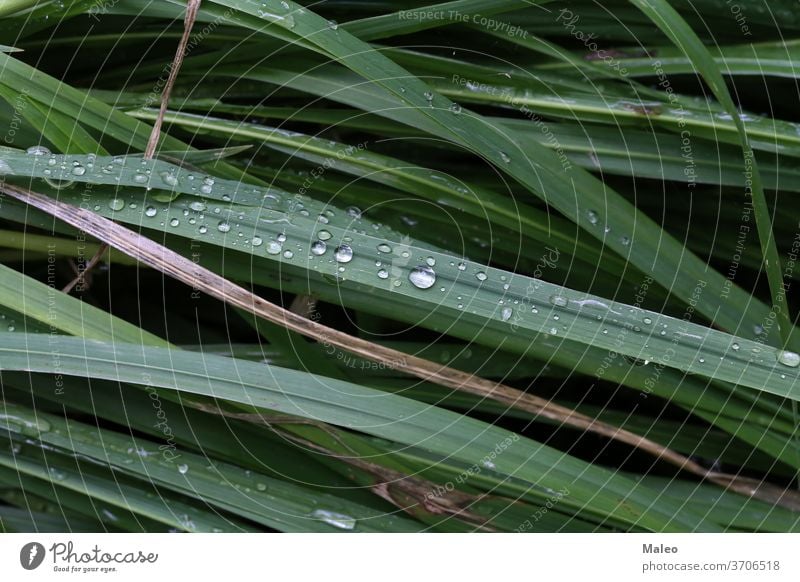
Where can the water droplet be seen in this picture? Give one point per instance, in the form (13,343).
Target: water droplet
(224,226)
(150,211)
(78,170)
(197,205)
(625,241)
(422,277)
(324,235)
(40,150)
(592,217)
(174,222)
(318,248)
(183,469)
(428,96)
(287,254)
(203,229)
(505,157)
(647,321)
(339,520)
(430,261)
(455,108)
(505,315)
(257,241)
(384,248)
(333,25)
(383,274)
(735,347)
(791,359)
(343,254)
(261,487)
(353,212)
(559,300)
(274,247)
(462,266)
(116,204)
(481,276)
(140,178)
(170,179)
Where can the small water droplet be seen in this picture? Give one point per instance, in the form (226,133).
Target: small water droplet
(430,261)
(174,222)
(183,469)
(197,205)
(274,247)
(592,217)
(78,170)
(324,235)
(257,241)
(481,276)
(559,300)
(224,226)
(505,157)
(462,266)
(150,211)
(287,254)
(383,274)
(455,108)
(140,178)
(735,347)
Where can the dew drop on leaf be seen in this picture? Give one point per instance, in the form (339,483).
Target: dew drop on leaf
(422,277)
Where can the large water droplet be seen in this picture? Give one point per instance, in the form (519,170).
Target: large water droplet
(197,205)
(505,315)
(170,179)
(224,226)
(791,359)
(38,150)
(274,247)
(422,277)
(343,254)
(150,211)
(116,204)
(339,520)
(318,248)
